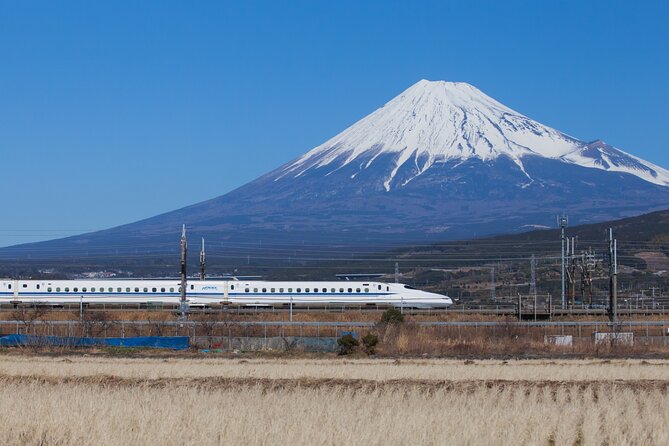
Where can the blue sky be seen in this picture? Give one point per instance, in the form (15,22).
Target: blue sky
(114,111)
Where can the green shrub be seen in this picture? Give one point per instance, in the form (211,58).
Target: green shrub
(369,341)
(392,316)
(347,344)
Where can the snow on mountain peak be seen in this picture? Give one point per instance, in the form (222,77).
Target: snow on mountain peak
(439,121)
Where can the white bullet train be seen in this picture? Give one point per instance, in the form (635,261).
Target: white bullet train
(217,292)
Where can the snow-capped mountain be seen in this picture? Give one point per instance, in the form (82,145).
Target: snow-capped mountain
(436,122)
(440,161)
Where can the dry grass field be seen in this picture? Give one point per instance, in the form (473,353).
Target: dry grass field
(120,401)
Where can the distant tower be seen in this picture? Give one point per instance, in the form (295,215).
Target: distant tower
(202,261)
(533,276)
(397,272)
(183,303)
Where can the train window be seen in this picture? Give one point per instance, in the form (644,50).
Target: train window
(153,290)
(246,290)
(255,290)
(171,290)
(264,290)
(306,290)
(136,290)
(83,290)
(341,290)
(25,285)
(127,290)
(38,286)
(192,287)
(299,290)
(49,289)
(75,289)
(272,290)
(9,286)
(332,290)
(58,289)
(179,289)
(92,290)
(387,288)
(290,290)
(325,290)
(357,290)
(232,287)
(365,284)
(67,289)
(162,290)
(280,290)
(366,290)
(350,290)
(146,290)
(379,287)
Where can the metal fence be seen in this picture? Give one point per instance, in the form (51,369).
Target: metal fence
(253,329)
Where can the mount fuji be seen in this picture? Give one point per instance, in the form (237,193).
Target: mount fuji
(440,161)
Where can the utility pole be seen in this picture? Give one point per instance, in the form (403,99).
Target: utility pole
(202,261)
(493,292)
(183,303)
(533,276)
(572,271)
(613,277)
(563,224)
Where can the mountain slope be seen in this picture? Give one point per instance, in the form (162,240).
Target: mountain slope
(436,122)
(440,161)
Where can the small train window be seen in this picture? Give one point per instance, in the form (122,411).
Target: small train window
(58,289)
(192,287)
(366,290)
(25,285)
(341,290)
(9,286)
(75,289)
(332,290)
(38,286)
(67,289)
(49,289)
(264,290)
(280,290)
(136,290)
(246,290)
(306,290)
(325,290)
(83,290)
(162,290)
(255,290)
(146,290)
(92,290)
(299,290)
(272,290)
(171,290)
(357,290)
(232,287)
(379,287)
(290,290)
(153,290)
(350,290)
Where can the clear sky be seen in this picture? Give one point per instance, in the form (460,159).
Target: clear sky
(114,111)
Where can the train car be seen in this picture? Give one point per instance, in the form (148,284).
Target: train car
(216,292)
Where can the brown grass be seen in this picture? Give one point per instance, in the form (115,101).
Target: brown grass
(92,400)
